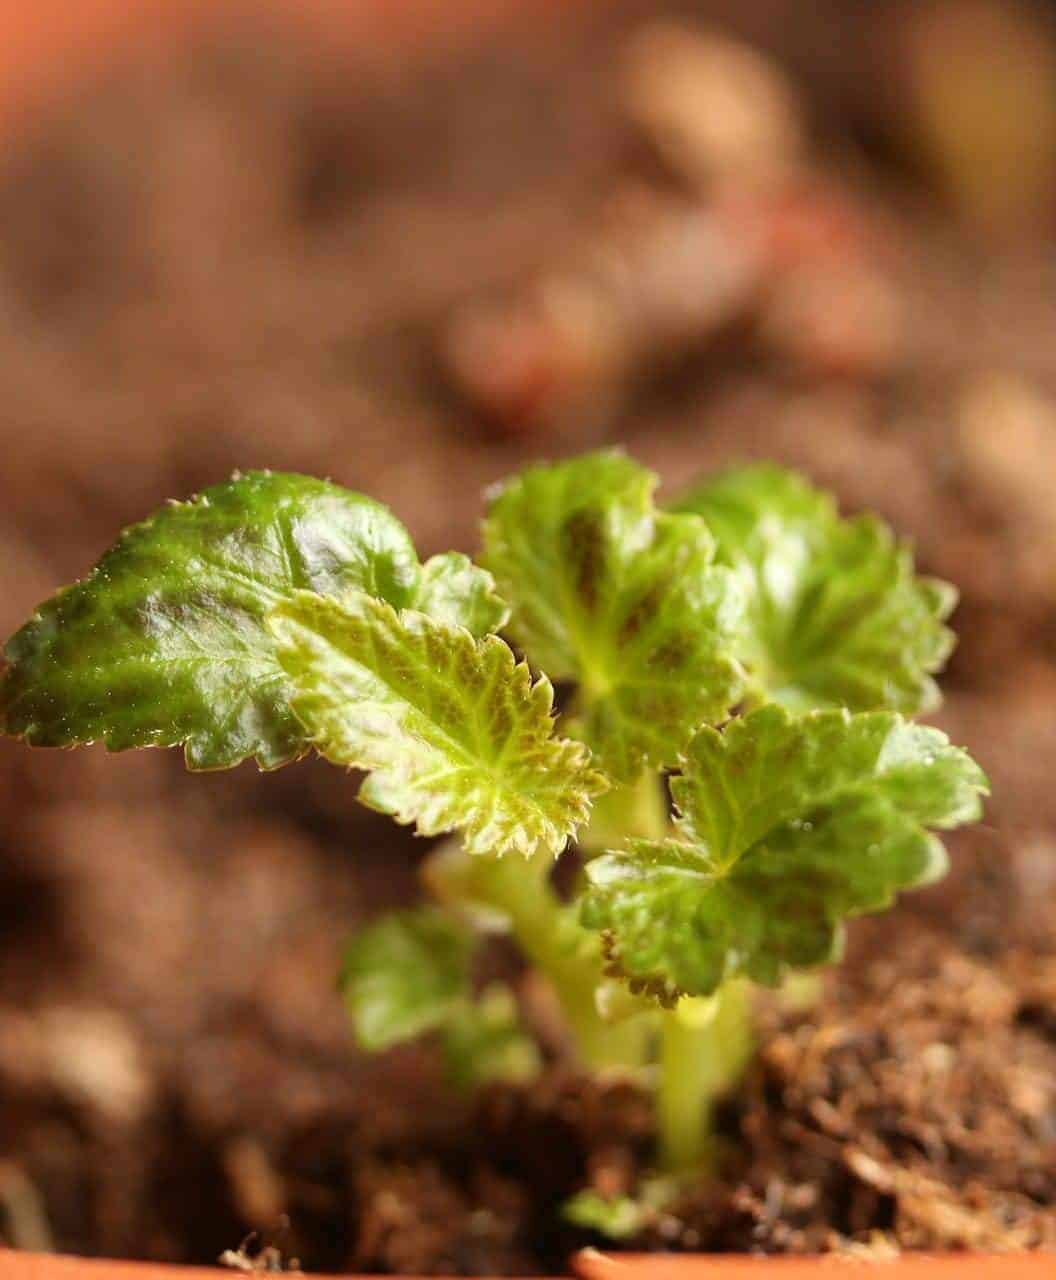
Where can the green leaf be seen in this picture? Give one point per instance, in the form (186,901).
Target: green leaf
(483,1041)
(454,590)
(621,1217)
(409,974)
(452,730)
(165,643)
(405,975)
(786,826)
(836,615)
(621,598)
(614,1217)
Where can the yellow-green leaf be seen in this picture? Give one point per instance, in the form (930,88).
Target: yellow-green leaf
(451,729)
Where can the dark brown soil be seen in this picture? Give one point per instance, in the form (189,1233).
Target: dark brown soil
(175,1071)
(912,1107)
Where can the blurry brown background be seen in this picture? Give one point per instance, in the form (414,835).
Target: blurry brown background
(409,247)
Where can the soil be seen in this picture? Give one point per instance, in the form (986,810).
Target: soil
(175,1071)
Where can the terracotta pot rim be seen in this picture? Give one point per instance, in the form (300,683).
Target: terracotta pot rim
(592,1264)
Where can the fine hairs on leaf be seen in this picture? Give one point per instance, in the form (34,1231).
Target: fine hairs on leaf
(747,654)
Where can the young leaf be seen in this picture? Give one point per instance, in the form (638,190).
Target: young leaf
(786,826)
(404,976)
(483,1040)
(621,1217)
(409,974)
(621,598)
(452,730)
(164,642)
(616,1217)
(836,616)
(454,590)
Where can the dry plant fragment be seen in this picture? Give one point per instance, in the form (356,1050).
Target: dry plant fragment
(757,237)
(656,277)
(714,109)
(979,78)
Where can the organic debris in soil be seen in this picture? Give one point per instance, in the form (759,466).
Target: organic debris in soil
(254,1257)
(918,1101)
(914,1107)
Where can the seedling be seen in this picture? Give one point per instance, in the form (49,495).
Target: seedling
(735,760)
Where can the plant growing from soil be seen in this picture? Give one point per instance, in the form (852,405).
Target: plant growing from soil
(736,760)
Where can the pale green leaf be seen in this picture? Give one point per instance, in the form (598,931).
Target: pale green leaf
(165,642)
(621,1217)
(405,975)
(621,598)
(836,614)
(409,974)
(786,827)
(483,1041)
(453,589)
(452,730)
(614,1217)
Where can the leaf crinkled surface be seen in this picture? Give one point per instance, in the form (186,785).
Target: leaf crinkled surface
(786,826)
(452,730)
(836,615)
(621,598)
(165,641)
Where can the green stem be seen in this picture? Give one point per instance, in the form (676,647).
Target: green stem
(698,1065)
(551,939)
(554,943)
(639,809)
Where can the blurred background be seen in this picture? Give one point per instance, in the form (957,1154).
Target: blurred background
(408,246)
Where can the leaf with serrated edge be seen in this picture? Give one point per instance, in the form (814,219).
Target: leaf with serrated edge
(620,597)
(452,730)
(405,975)
(786,827)
(164,641)
(453,589)
(836,614)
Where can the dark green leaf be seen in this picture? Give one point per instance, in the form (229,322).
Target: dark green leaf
(786,827)
(165,643)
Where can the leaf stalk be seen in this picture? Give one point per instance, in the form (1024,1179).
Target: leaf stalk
(699,1064)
